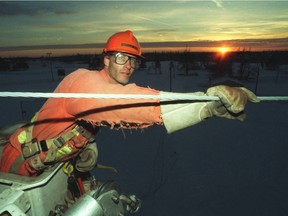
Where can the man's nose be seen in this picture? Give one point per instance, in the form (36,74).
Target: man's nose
(128,64)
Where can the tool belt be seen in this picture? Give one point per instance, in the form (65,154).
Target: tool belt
(44,153)
(35,147)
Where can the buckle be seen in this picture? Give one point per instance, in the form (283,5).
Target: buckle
(30,149)
(85,133)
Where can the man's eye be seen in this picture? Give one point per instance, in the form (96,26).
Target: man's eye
(122,58)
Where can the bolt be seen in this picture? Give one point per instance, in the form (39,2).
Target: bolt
(115,198)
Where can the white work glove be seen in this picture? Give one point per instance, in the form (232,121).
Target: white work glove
(232,101)
(231,105)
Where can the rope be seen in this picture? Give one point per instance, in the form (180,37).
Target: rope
(166,97)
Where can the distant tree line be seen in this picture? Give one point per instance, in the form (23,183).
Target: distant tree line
(13,64)
(269,59)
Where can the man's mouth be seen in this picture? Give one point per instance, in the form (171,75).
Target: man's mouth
(126,74)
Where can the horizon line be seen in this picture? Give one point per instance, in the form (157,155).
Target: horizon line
(234,45)
(159,44)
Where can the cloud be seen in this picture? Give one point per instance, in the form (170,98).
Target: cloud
(218,3)
(43,47)
(34,8)
(152,20)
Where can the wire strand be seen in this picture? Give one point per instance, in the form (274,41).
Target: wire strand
(166,97)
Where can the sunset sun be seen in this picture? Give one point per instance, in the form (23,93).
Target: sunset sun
(223,50)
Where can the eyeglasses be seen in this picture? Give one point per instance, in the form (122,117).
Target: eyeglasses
(121,59)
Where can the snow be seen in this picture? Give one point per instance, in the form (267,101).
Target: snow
(219,167)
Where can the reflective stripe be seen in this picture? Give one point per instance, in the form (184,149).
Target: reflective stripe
(26,135)
(63,151)
(22,137)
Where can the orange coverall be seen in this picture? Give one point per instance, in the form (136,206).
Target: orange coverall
(59,115)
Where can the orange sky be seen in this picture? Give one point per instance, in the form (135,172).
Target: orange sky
(199,46)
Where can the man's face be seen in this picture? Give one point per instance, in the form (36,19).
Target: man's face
(120,67)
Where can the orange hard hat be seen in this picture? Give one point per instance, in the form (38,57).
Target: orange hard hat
(123,42)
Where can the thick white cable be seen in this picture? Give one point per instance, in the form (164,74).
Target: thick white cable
(172,96)
(166,97)
(273,98)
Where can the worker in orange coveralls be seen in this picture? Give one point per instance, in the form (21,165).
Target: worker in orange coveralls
(65,128)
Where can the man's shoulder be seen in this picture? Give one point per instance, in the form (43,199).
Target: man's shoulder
(82,73)
(84,70)
(78,77)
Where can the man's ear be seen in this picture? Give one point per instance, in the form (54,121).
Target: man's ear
(106,61)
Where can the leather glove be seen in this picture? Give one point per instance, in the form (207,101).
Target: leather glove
(232,102)
(231,105)
(87,159)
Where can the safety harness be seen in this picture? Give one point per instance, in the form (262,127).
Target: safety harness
(54,149)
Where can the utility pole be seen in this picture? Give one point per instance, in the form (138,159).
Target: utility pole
(50,62)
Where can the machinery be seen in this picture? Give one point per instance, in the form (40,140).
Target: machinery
(59,191)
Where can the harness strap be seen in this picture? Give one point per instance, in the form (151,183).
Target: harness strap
(35,162)
(55,144)
(33,147)
(29,129)
(54,148)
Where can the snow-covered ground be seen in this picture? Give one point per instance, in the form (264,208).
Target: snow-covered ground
(219,167)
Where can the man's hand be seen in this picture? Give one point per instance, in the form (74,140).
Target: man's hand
(231,105)
(232,101)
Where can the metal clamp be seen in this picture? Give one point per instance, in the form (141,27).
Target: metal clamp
(30,149)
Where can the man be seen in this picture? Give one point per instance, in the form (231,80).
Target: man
(65,128)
